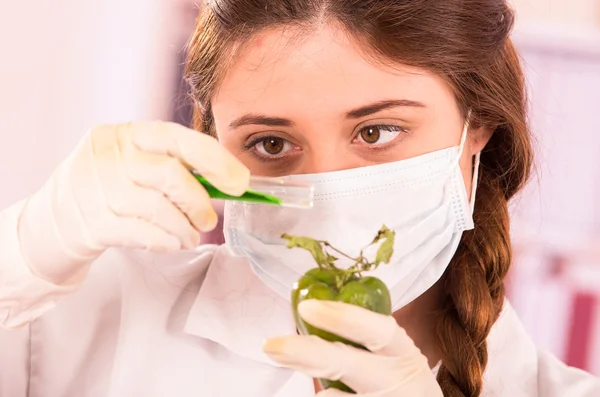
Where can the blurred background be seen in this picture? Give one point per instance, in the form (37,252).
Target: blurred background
(70,64)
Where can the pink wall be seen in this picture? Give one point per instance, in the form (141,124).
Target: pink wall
(556,223)
(67,65)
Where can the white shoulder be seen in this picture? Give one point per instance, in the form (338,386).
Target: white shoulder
(556,379)
(517,368)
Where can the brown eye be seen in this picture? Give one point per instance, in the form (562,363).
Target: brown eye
(273,145)
(379,134)
(370,134)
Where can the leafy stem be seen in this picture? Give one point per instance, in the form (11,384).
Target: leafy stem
(320,252)
(326,244)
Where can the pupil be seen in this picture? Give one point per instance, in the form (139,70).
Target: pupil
(371,135)
(273,145)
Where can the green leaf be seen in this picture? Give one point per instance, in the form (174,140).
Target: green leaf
(386,249)
(311,245)
(331,259)
(384,232)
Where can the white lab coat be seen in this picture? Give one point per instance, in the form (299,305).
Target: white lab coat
(191,324)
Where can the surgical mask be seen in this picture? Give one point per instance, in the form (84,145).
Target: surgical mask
(423,199)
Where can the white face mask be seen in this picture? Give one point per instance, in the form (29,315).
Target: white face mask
(423,199)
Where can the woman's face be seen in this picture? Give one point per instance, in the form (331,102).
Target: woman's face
(317,105)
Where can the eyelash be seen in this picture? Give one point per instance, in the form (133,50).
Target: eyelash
(250,147)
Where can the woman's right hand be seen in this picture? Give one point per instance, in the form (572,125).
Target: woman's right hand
(127,185)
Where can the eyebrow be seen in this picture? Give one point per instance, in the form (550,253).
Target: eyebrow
(363,111)
(381,105)
(259,119)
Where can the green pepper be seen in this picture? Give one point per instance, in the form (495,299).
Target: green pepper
(368,292)
(327,282)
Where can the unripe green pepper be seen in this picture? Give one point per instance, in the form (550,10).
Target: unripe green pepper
(327,282)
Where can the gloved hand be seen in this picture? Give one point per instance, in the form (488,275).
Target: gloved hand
(126,185)
(394,367)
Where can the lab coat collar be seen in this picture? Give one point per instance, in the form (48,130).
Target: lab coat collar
(221,300)
(236,310)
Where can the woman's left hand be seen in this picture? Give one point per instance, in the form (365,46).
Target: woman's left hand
(393,366)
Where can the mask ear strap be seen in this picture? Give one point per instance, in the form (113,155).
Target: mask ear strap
(475,181)
(461,148)
(463,138)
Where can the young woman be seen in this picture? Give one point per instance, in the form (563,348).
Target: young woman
(404,113)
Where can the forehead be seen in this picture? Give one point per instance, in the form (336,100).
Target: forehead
(280,71)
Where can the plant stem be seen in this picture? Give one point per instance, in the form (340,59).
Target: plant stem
(361,260)
(361,264)
(326,244)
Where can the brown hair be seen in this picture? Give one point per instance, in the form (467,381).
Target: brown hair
(466,43)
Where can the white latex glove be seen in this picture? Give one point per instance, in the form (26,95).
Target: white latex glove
(394,367)
(126,185)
